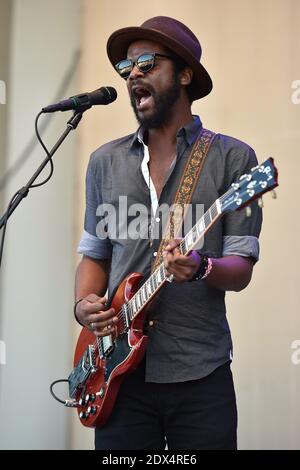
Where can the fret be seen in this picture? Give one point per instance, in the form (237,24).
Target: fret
(194,233)
(159,279)
(182,247)
(146,290)
(162,272)
(137,301)
(152,285)
(152,288)
(134,309)
(145,293)
(201,225)
(207,218)
(125,315)
(189,240)
(143,297)
(149,292)
(155,280)
(130,310)
(139,293)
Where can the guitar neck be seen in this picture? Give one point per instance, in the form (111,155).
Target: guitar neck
(158,278)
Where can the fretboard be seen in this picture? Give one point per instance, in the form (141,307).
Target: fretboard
(158,278)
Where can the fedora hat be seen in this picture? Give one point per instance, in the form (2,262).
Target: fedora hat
(170,33)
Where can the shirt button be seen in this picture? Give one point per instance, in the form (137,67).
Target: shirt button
(151,323)
(157,219)
(155,253)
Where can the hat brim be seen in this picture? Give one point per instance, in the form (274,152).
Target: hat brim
(120,40)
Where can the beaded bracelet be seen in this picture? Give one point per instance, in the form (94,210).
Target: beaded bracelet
(208,269)
(204,269)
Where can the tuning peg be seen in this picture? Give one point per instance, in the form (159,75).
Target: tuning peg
(274,194)
(260,203)
(248,211)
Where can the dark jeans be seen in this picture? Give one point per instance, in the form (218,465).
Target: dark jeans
(198,414)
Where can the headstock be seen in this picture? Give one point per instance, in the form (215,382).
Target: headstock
(261,179)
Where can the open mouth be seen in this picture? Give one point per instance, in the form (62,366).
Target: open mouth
(142,97)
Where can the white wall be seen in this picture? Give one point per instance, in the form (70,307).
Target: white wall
(38,266)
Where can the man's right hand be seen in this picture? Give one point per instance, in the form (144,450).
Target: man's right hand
(92,312)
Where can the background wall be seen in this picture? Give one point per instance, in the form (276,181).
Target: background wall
(251,49)
(37,272)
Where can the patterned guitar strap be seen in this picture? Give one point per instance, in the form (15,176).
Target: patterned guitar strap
(185,190)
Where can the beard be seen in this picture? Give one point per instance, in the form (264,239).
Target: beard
(163,101)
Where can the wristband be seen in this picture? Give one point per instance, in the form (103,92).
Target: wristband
(74,310)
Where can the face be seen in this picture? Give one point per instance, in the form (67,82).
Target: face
(153,94)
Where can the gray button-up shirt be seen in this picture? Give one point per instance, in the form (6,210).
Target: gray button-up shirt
(188,332)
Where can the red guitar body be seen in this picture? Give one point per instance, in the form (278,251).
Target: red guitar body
(97,393)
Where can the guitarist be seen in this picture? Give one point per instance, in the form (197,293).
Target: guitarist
(182,393)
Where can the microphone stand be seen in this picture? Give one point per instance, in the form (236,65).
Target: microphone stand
(23,192)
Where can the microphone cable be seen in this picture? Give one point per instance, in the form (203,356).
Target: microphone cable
(25,190)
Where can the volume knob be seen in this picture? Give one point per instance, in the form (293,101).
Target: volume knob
(84,414)
(92,410)
(90,397)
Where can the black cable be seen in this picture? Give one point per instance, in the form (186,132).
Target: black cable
(46,150)
(25,190)
(25,154)
(69,403)
(5,224)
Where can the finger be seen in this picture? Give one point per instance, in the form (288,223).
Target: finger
(103,325)
(94,307)
(180,272)
(173,244)
(103,316)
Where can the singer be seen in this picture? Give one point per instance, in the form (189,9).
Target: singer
(181,393)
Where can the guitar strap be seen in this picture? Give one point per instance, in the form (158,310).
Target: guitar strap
(185,190)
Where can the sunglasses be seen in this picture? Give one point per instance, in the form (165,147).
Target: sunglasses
(144,63)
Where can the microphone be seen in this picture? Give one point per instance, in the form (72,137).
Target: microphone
(103,95)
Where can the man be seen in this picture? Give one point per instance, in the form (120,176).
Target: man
(182,394)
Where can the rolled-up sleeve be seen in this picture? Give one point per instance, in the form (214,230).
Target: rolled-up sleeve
(240,231)
(94,247)
(90,244)
(246,245)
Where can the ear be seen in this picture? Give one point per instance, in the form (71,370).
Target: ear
(186,76)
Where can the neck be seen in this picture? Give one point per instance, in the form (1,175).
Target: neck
(180,116)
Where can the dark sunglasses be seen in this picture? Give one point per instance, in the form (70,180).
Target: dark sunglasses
(144,63)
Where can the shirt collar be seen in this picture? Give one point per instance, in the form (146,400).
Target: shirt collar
(190,132)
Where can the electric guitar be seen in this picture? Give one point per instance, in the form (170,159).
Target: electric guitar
(100,364)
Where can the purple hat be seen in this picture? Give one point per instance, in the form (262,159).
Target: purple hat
(172,34)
